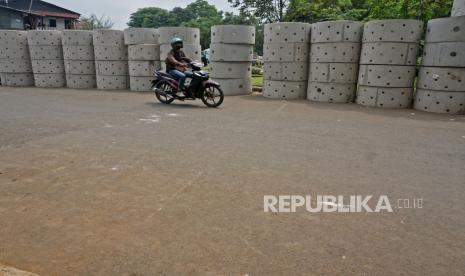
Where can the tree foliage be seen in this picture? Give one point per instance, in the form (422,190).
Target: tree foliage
(94,22)
(266,10)
(364,10)
(199,14)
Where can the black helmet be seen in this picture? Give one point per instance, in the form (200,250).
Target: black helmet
(175,40)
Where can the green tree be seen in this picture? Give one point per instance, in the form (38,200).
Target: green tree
(364,10)
(199,14)
(94,22)
(320,10)
(203,16)
(266,10)
(415,9)
(151,17)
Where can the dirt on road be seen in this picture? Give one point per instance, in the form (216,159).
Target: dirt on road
(115,183)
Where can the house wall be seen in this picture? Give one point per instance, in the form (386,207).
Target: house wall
(60,25)
(11,20)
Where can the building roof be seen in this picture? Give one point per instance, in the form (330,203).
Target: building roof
(40,8)
(9,8)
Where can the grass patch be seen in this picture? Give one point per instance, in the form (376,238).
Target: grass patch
(257,80)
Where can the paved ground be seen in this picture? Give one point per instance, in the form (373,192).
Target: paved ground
(114,183)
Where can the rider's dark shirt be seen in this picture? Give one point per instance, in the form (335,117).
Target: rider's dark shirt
(175,58)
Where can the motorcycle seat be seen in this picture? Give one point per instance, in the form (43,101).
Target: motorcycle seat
(163,74)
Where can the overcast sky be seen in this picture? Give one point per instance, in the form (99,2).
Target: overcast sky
(119,10)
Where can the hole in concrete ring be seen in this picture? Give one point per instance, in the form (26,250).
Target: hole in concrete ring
(453,54)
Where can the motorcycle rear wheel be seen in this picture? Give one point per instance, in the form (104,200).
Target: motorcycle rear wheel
(167,96)
(213,96)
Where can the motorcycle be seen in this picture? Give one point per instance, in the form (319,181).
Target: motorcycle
(201,87)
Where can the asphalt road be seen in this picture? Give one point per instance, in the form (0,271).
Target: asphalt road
(114,183)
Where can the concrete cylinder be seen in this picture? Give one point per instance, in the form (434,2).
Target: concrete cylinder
(286,54)
(233,34)
(441,80)
(189,36)
(458,9)
(79,59)
(47,58)
(231,55)
(334,61)
(15,61)
(111,60)
(143,56)
(388,63)
(136,36)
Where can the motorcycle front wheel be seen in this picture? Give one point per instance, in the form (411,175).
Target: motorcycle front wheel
(163,92)
(213,96)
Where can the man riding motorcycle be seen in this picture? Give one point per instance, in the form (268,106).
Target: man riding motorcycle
(176,64)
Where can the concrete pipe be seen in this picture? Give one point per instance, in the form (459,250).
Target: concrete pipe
(135,36)
(13,38)
(15,61)
(231,52)
(284,89)
(46,52)
(188,35)
(386,75)
(287,32)
(440,101)
(80,81)
(143,68)
(144,52)
(393,30)
(108,38)
(392,53)
(234,87)
(140,84)
(17,79)
(287,71)
(45,38)
(346,73)
(450,29)
(14,51)
(52,66)
(331,92)
(49,80)
(111,68)
(80,67)
(78,52)
(285,52)
(233,34)
(337,31)
(111,52)
(112,82)
(233,70)
(15,66)
(77,38)
(348,52)
(444,54)
(442,79)
(458,9)
(384,97)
